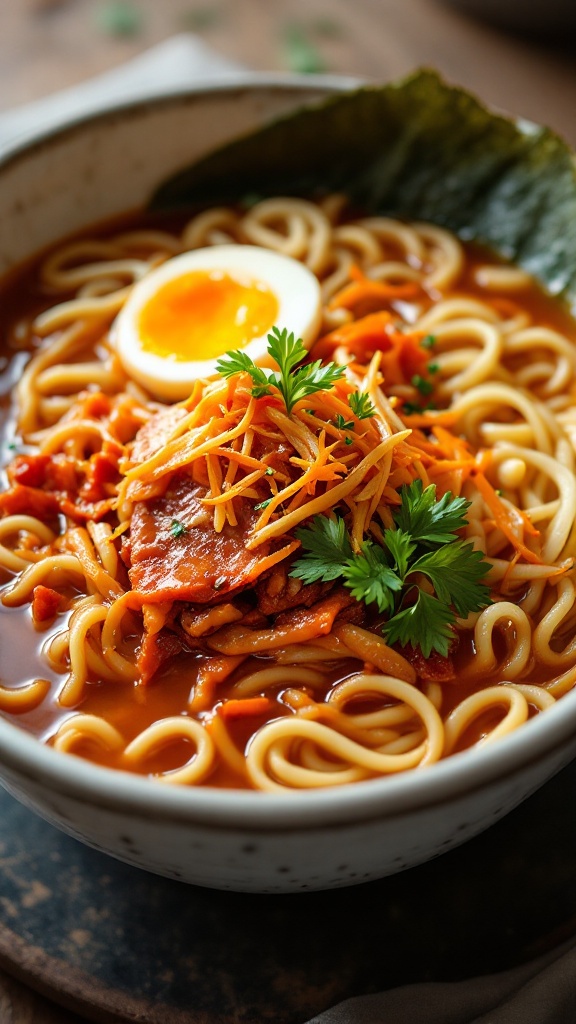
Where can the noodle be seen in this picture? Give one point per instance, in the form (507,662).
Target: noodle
(154,543)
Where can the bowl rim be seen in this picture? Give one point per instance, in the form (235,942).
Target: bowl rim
(552,733)
(21,753)
(26,143)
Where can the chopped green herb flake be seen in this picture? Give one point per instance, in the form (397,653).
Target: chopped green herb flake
(411,408)
(177,528)
(433,367)
(424,386)
(342,423)
(429,341)
(348,440)
(263,504)
(269,471)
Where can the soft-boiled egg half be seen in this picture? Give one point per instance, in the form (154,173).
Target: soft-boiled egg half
(185,314)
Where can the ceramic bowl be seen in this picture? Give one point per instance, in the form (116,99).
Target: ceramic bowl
(260,842)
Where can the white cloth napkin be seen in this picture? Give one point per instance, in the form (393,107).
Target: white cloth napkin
(543,992)
(540,992)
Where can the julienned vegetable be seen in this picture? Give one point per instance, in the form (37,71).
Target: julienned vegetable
(424,552)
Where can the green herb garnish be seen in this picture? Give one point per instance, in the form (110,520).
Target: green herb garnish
(328,548)
(177,528)
(422,544)
(427,520)
(424,386)
(342,423)
(361,405)
(411,408)
(239,362)
(293,384)
(429,341)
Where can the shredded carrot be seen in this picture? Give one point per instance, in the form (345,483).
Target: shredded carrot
(232,492)
(238,456)
(505,520)
(245,707)
(46,602)
(402,354)
(359,336)
(330,497)
(364,289)
(278,556)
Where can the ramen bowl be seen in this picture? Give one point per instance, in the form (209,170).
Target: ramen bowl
(92,170)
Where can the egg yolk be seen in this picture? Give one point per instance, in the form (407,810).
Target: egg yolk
(203,314)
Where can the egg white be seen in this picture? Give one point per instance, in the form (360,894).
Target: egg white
(294,286)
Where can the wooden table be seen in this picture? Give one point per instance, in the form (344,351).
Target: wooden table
(46,45)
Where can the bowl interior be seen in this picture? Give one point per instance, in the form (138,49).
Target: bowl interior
(93,170)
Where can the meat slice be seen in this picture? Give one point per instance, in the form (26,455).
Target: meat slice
(156,648)
(436,668)
(156,432)
(279,592)
(176,554)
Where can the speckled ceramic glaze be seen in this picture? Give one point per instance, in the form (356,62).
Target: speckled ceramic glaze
(256,842)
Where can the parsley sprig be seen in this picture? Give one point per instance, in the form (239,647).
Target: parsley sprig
(423,546)
(293,381)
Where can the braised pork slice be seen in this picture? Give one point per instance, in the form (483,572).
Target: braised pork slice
(176,555)
(278,591)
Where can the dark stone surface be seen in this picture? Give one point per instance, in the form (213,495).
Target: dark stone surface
(119,944)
